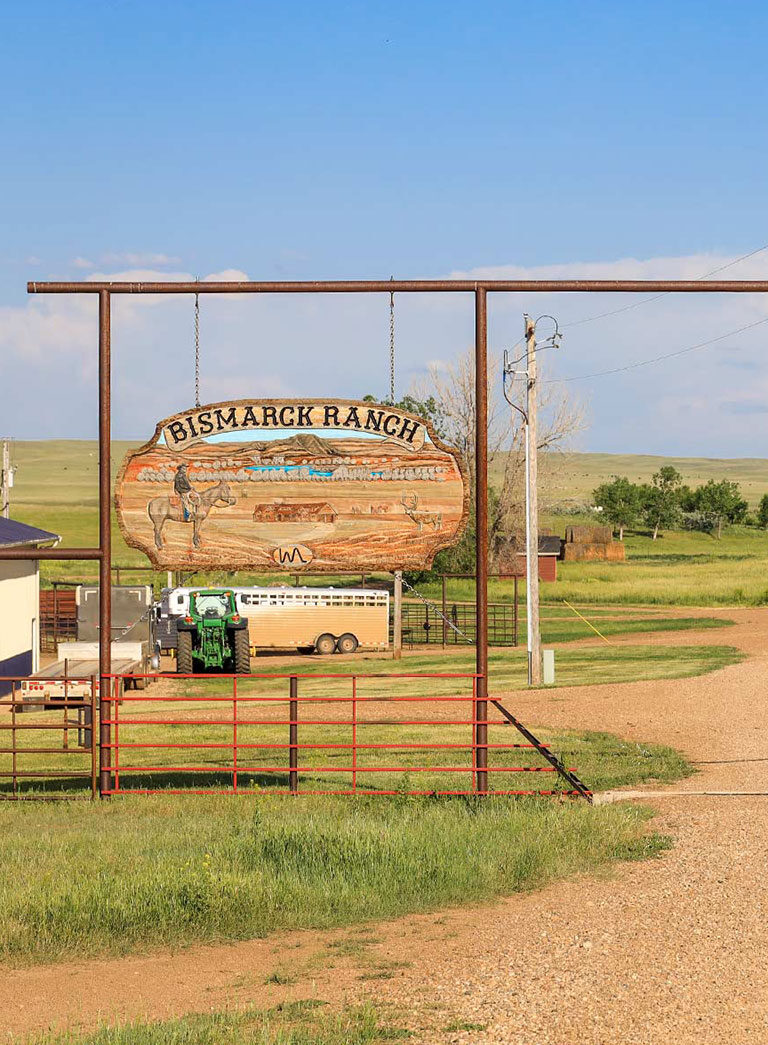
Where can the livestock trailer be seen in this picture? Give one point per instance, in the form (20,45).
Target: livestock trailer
(321,619)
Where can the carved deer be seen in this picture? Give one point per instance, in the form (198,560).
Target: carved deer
(421,518)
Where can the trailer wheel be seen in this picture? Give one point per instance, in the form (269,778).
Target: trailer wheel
(347,643)
(326,643)
(184,653)
(242,653)
(140,683)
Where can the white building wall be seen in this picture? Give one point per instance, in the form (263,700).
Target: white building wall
(19,609)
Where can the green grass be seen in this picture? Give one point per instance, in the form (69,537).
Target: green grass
(680,568)
(117,877)
(578,666)
(292,1023)
(575,476)
(559,623)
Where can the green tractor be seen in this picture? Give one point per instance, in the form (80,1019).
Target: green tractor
(213,635)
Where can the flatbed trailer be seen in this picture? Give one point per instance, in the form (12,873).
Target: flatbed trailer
(71,676)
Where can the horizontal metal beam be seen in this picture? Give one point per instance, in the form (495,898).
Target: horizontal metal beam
(421,286)
(50,553)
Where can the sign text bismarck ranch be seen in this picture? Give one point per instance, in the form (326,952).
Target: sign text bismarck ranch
(253,416)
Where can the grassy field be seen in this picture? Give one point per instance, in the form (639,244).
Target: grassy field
(292,1023)
(56,488)
(112,878)
(573,477)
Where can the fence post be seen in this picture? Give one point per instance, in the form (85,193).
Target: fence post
(234,733)
(13,738)
(89,738)
(445,622)
(354,732)
(293,736)
(105,734)
(515,614)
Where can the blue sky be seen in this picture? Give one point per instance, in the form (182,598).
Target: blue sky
(359,140)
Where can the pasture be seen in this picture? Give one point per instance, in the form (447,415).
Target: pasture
(56,488)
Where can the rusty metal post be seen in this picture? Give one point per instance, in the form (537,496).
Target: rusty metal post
(234,733)
(55,618)
(481,534)
(90,738)
(293,736)
(397,621)
(14,732)
(105,542)
(516,618)
(445,622)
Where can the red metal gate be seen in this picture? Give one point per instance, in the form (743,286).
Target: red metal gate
(46,738)
(307,734)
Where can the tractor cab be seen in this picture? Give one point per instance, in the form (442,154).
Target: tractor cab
(214,605)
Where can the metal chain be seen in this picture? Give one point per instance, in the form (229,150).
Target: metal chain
(197,350)
(391,344)
(438,611)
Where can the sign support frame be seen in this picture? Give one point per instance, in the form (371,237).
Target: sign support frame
(478,288)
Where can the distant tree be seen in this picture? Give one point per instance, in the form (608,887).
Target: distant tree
(621,502)
(661,500)
(762,511)
(687,498)
(722,502)
(427,407)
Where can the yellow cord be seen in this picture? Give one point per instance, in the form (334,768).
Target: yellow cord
(605,640)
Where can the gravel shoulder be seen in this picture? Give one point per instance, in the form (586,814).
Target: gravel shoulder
(669,951)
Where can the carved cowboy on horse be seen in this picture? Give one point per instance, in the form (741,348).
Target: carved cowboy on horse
(194,506)
(186,491)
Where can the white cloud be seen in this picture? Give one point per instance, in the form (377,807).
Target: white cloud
(139,260)
(339,345)
(227,276)
(82,263)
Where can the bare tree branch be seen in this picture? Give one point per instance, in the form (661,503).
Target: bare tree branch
(561,418)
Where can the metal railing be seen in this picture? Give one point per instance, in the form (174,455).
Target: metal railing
(425,624)
(329,734)
(27,766)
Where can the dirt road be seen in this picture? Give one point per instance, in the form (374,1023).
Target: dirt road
(668,952)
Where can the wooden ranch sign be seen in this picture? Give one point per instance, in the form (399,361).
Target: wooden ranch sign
(329,485)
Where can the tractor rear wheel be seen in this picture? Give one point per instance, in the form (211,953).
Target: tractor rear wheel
(184,653)
(347,643)
(326,643)
(242,652)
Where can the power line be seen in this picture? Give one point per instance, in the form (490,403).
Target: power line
(659,359)
(656,297)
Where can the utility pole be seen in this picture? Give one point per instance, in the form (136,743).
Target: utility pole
(397,636)
(532,507)
(6,481)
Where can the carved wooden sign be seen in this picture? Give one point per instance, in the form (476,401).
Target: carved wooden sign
(324,485)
